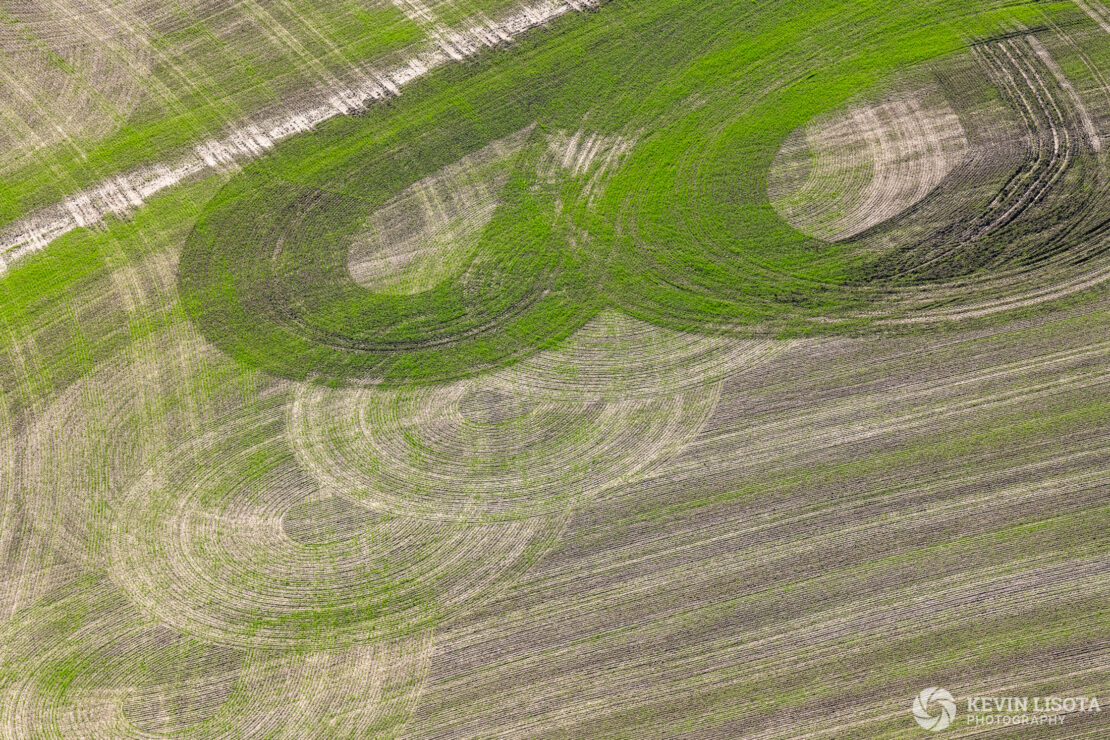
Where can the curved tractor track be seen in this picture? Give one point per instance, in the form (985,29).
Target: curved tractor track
(942,201)
(1040,236)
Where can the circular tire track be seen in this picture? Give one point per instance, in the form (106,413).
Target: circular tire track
(226,539)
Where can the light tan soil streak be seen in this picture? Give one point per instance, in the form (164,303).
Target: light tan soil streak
(124,192)
(429,230)
(1097,12)
(584,154)
(582,151)
(840,176)
(460,43)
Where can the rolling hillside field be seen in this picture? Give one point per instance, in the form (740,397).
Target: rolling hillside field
(554,369)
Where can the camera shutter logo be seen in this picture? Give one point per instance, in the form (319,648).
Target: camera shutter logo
(944,703)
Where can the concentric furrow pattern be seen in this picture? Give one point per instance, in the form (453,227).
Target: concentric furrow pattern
(117,675)
(428,232)
(99,435)
(839,177)
(1039,236)
(610,405)
(469,452)
(220,550)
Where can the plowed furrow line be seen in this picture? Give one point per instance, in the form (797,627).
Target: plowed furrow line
(814,537)
(776,649)
(1051,140)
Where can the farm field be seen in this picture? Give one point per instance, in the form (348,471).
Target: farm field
(557,368)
